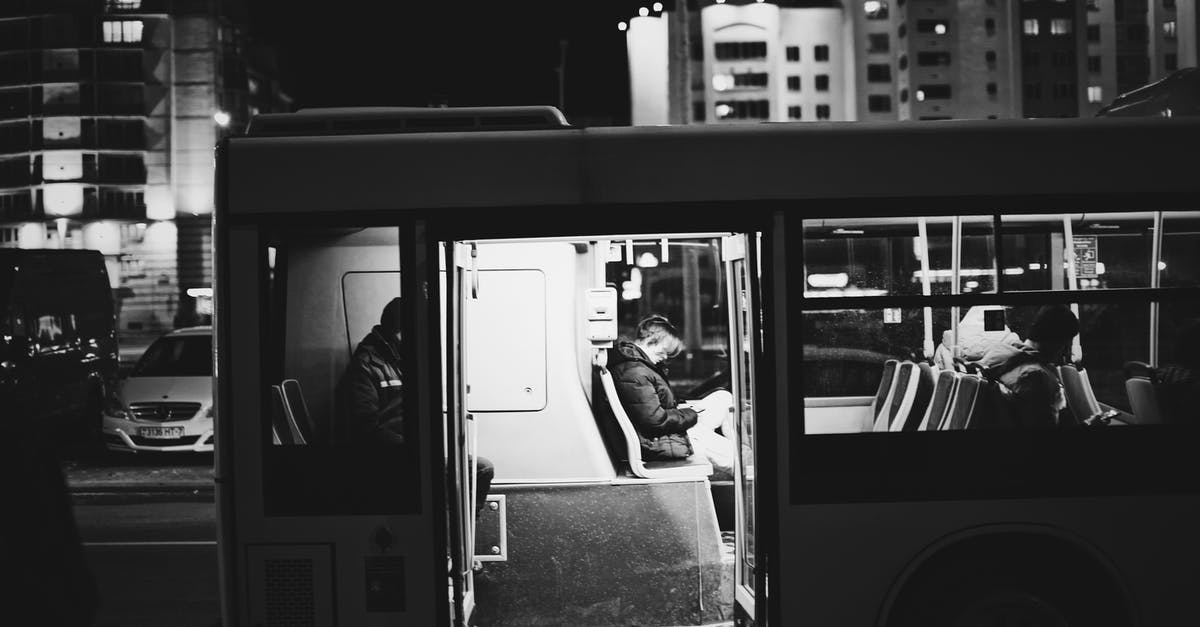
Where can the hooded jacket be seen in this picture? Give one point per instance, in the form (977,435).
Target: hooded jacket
(648,400)
(1030,385)
(370,392)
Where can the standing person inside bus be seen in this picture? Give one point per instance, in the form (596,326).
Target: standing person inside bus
(370,395)
(1027,371)
(666,429)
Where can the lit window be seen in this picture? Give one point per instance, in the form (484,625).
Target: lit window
(722,82)
(821,82)
(125,31)
(1060,26)
(820,53)
(794,112)
(822,112)
(937,91)
(875,9)
(1095,94)
(936,27)
(1030,27)
(122,5)
(1169,29)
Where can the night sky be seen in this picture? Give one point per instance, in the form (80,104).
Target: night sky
(379,53)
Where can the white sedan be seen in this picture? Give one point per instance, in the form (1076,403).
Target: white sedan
(166,403)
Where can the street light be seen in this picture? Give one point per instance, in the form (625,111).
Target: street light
(658,7)
(621,26)
(221,118)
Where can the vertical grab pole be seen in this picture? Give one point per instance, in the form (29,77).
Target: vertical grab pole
(1072,279)
(955,267)
(1155,282)
(923,236)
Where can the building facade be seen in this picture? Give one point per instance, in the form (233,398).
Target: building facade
(109,111)
(879,60)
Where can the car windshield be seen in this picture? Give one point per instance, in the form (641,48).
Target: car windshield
(177,356)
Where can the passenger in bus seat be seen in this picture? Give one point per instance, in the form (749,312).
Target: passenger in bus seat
(667,430)
(370,395)
(1177,385)
(1025,370)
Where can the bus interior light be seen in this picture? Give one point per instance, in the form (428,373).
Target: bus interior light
(1014,271)
(837,280)
(841,231)
(971,285)
(1162,265)
(1099,267)
(1035,266)
(647,260)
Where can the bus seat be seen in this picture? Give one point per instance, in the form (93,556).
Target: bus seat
(900,401)
(1143,401)
(279,420)
(939,403)
(299,422)
(926,381)
(1075,389)
(885,388)
(962,403)
(692,467)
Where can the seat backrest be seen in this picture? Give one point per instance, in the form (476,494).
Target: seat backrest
(962,402)
(1143,401)
(1077,396)
(926,377)
(299,422)
(1090,392)
(885,388)
(633,444)
(939,403)
(280,432)
(898,396)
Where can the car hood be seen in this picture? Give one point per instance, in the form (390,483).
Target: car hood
(167,389)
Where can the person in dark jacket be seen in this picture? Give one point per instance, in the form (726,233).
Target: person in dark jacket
(371,395)
(667,429)
(1026,370)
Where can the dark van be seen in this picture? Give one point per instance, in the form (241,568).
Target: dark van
(58,339)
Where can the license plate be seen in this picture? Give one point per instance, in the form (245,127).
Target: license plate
(161,433)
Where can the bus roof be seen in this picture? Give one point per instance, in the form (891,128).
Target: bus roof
(774,161)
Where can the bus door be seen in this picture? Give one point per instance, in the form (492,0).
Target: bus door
(460,432)
(740,255)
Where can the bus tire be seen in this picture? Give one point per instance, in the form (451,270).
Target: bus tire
(1020,578)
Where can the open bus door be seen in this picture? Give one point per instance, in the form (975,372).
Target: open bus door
(460,434)
(738,253)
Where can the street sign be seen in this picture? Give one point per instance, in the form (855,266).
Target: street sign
(891,315)
(1086,255)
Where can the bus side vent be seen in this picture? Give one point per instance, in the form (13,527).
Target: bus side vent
(290,586)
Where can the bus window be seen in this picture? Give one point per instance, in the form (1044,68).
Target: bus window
(338,438)
(1109,250)
(682,281)
(1179,262)
(883,256)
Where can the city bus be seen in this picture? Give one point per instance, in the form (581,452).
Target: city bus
(832,279)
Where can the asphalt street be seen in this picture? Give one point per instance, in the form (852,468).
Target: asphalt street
(149,531)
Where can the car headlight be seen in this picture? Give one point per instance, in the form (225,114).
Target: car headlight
(114,407)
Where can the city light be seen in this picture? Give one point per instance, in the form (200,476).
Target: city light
(658,7)
(721,82)
(720,1)
(724,110)
(872,6)
(1014,271)
(643,11)
(621,26)
(1162,265)
(940,29)
(221,118)
(920,95)
(647,260)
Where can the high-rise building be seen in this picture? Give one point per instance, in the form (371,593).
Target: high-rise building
(109,112)
(900,59)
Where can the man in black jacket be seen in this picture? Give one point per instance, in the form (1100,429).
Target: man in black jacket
(667,429)
(371,395)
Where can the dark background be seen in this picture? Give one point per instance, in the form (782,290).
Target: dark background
(360,53)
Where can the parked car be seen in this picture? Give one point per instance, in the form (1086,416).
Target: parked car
(166,402)
(58,339)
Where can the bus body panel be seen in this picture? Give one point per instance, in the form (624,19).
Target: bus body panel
(1127,544)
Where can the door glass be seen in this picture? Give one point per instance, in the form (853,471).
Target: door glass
(746,528)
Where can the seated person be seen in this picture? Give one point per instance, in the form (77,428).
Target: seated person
(370,396)
(1177,385)
(666,429)
(1026,370)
